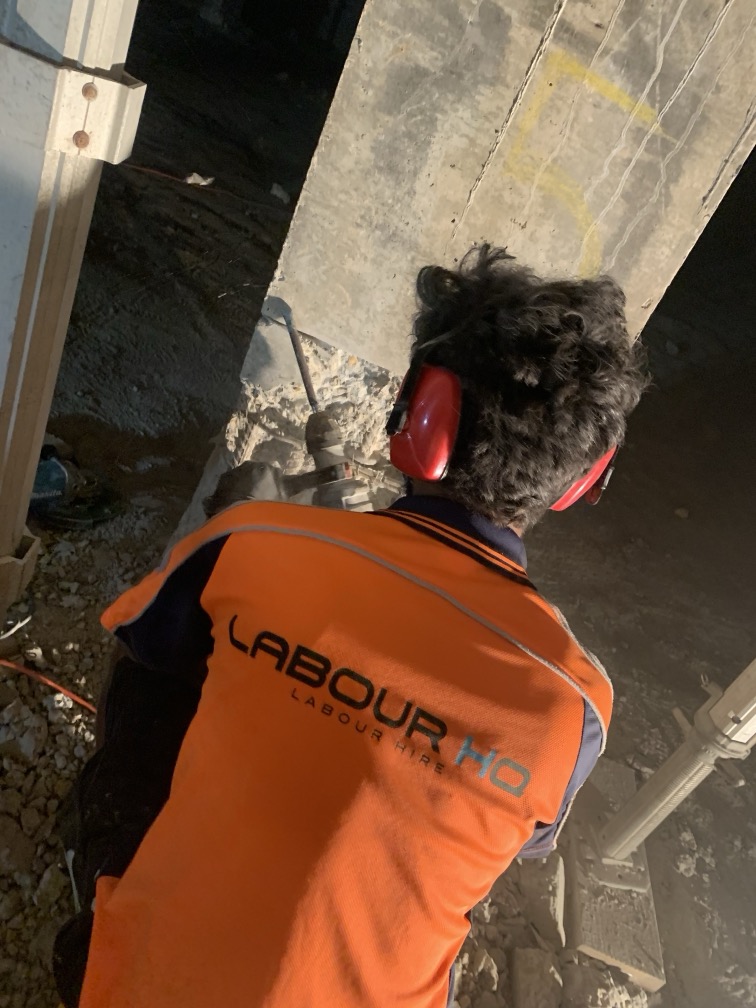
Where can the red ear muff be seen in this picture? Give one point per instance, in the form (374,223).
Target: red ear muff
(424,423)
(590,486)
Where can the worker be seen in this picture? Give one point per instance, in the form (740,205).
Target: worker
(328,733)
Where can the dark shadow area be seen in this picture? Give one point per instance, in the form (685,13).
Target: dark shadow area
(174,273)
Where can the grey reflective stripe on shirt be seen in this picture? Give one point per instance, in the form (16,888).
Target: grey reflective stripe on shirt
(591,746)
(427,585)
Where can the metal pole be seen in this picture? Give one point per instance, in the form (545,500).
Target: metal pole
(724,728)
(660,795)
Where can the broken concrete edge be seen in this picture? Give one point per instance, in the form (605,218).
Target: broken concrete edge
(536,979)
(542,884)
(16,571)
(614,926)
(268,420)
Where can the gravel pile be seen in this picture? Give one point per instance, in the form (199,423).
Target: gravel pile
(43,742)
(45,737)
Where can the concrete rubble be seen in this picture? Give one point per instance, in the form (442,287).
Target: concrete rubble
(536,980)
(45,737)
(588,985)
(38,765)
(541,882)
(515,955)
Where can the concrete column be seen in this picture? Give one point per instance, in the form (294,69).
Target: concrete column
(584,137)
(66,105)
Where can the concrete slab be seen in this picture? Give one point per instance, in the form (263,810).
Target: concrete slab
(541,882)
(615,926)
(594,987)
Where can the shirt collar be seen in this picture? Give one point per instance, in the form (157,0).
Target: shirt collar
(504,540)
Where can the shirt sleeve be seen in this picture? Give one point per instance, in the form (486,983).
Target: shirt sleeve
(171,633)
(544,837)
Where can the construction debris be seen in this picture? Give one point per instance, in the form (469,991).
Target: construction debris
(541,882)
(536,980)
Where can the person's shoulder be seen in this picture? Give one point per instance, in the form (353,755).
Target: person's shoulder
(262,515)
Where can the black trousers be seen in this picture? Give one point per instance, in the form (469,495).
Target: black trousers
(118,795)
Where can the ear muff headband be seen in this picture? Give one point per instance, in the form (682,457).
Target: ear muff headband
(590,486)
(398,417)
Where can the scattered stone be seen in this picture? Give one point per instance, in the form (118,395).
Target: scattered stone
(51,886)
(30,820)
(7,694)
(16,849)
(42,945)
(61,788)
(73,602)
(485,968)
(35,656)
(490,1000)
(536,980)
(10,904)
(10,802)
(500,957)
(686,865)
(280,193)
(23,735)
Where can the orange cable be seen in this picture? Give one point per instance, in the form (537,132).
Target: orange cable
(48,682)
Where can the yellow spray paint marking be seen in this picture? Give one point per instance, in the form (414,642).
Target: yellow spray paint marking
(549,178)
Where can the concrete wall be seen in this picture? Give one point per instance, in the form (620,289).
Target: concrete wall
(586,137)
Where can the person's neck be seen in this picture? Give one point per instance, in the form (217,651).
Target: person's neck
(425,489)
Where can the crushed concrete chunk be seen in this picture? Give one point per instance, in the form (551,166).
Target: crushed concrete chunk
(22,734)
(541,882)
(536,980)
(589,987)
(485,969)
(490,1000)
(10,904)
(16,849)
(30,820)
(10,802)
(51,886)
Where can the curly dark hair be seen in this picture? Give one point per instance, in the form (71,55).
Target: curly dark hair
(549,375)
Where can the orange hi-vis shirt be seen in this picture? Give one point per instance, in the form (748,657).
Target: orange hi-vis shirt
(391,713)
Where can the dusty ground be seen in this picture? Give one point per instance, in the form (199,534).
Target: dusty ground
(656,580)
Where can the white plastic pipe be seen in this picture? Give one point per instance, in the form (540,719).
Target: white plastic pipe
(724,728)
